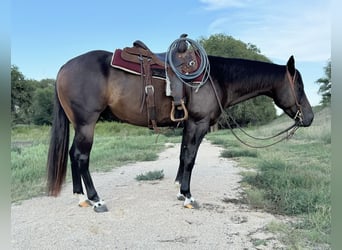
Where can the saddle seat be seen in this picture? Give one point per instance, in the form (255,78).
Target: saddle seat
(139,50)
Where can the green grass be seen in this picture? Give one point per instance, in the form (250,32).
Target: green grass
(28,171)
(239,153)
(292,177)
(115,144)
(150,176)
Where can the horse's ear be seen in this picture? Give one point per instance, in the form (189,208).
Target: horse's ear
(291,65)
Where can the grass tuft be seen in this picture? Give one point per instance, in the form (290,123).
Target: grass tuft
(150,176)
(233,153)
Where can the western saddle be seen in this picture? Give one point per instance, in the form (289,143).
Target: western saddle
(142,55)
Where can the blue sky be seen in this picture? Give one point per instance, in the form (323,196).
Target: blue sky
(45,34)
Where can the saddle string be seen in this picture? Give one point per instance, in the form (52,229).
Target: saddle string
(141,59)
(290,130)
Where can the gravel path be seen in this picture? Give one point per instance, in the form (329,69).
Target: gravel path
(147,215)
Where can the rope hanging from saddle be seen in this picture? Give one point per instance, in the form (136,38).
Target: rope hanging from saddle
(184,72)
(189,62)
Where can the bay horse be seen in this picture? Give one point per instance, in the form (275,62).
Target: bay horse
(87,85)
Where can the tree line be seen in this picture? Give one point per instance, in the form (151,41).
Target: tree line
(32,100)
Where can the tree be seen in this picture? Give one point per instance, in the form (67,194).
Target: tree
(31,100)
(255,111)
(227,46)
(325,85)
(21,97)
(42,106)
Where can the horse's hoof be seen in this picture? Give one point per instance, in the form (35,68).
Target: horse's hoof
(85,203)
(190,206)
(191,203)
(100,207)
(180,197)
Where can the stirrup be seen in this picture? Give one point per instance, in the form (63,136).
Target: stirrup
(185,117)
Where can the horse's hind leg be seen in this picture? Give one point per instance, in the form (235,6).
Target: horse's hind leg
(79,155)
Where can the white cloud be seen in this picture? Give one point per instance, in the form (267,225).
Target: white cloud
(278,31)
(221,4)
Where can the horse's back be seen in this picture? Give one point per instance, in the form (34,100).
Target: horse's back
(93,61)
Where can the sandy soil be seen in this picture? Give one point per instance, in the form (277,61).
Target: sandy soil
(147,215)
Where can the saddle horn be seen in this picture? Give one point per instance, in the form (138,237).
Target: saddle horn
(182,45)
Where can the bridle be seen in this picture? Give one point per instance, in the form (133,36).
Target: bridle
(299,114)
(298,118)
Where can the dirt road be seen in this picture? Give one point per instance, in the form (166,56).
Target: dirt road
(147,215)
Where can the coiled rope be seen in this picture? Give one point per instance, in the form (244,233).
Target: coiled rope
(204,66)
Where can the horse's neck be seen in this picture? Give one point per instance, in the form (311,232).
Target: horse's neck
(241,79)
(238,92)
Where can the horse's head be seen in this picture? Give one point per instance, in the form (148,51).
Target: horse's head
(291,96)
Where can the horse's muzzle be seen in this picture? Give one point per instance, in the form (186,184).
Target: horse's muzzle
(306,120)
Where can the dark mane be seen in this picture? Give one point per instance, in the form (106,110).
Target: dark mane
(245,72)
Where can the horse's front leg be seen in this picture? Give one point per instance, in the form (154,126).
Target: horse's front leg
(193,134)
(180,172)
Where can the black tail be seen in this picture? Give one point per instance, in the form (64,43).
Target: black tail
(58,150)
